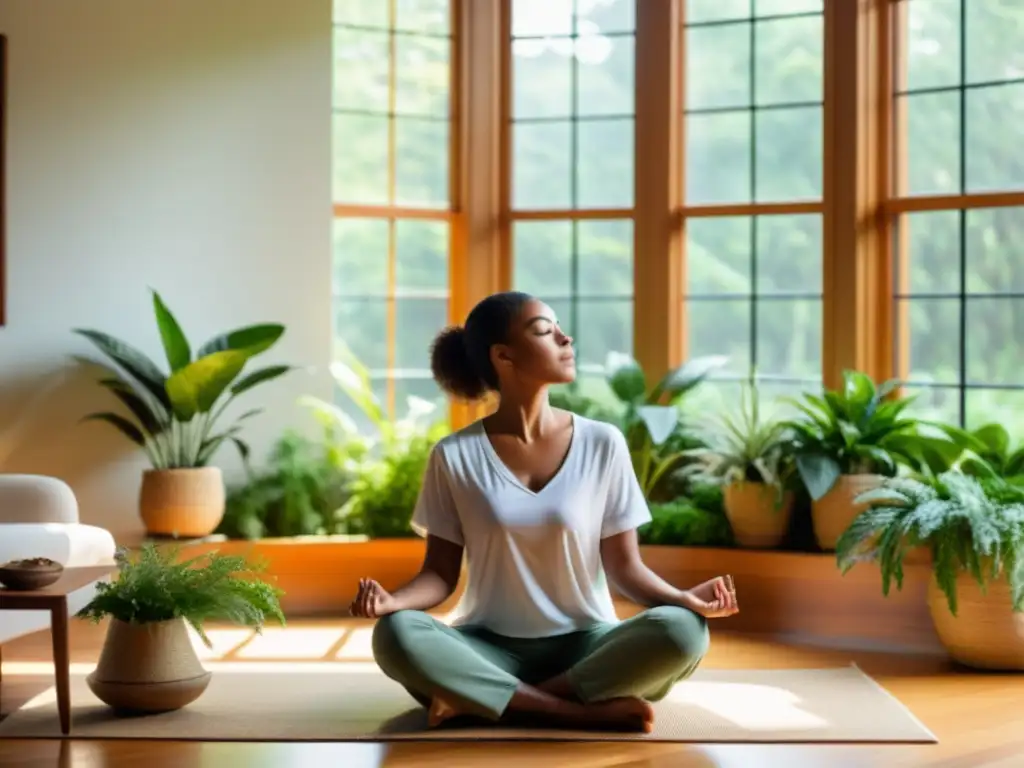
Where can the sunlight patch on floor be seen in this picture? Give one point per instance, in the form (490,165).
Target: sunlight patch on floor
(224,641)
(291,643)
(358,645)
(753,707)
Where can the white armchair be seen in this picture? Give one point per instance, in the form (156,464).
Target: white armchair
(39,518)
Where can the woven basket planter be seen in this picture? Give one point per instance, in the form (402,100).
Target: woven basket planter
(148,668)
(833,512)
(185,503)
(985,633)
(757,521)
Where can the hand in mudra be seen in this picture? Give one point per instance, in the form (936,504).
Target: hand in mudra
(714,599)
(372,601)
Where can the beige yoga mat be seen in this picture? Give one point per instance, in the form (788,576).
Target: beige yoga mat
(343,702)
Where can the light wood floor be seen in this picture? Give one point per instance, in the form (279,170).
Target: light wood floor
(978,718)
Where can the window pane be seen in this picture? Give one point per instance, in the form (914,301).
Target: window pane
(537,18)
(789,154)
(541,165)
(431,17)
(360,257)
(417,322)
(994,263)
(718,153)
(933,143)
(788,59)
(995,41)
(564,314)
(934,339)
(718,255)
(360,74)
(605,81)
(718,66)
(995,340)
(362,326)
(541,80)
(720,327)
(542,258)
(606,326)
(1002,406)
(782,7)
(789,337)
(423,388)
(360,159)
(361,13)
(606,16)
(933,261)
(935,403)
(421,163)
(995,155)
(604,166)
(702,11)
(605,258)
(422,75)
(932,44)
(421,253)
(789,254)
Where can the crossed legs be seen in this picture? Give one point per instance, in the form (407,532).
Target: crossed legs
(601,678)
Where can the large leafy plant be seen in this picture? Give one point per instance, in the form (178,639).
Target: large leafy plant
(993,455)
(175,413)
(156,585)
(651,420)
(747,447)
(969,525)
(861,429)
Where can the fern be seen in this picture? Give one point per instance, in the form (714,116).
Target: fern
(155,586)
(969,525)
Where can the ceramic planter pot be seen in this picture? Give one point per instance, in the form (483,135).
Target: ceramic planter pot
(184,503)
(147,668)
(985,633)
(833,513)
(757,521)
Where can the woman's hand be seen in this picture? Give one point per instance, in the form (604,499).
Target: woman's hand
(713,599)
(372,601)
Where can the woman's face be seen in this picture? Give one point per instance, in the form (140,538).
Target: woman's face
(537,351)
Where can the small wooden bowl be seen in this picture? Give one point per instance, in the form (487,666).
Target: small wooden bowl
(28,575)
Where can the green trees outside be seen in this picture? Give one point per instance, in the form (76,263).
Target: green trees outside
(753,133)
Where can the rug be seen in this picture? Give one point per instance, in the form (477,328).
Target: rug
(263,701)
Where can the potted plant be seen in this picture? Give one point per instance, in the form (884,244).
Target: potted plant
(974,530)
(751,458)
(993,456)
(175,415)
(148,662)
(853,438)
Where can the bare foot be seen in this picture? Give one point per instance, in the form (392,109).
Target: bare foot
(629,714)
(440,710)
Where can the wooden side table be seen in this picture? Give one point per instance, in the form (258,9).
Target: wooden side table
(55,600)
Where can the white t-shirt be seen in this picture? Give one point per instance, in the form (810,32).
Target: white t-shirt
(533,558)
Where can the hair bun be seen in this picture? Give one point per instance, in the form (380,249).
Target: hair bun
(451,366)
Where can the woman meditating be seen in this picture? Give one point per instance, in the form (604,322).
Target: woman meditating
(545,505)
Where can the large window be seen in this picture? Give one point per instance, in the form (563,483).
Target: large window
(959,207)
(753,192)
(570,150)
(393,170)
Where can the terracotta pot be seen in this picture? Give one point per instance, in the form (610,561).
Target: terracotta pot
(985,633)
(184,503)
(752,512)
(148,668)
(833,512)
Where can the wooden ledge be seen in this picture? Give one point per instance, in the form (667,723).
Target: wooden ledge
(801,597)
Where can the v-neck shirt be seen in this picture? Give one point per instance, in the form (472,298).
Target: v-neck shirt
(533,558)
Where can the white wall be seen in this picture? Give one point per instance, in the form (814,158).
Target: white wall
(178,144)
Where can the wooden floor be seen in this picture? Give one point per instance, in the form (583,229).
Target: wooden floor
(978,718)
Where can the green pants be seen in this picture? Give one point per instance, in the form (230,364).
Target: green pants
(643,656)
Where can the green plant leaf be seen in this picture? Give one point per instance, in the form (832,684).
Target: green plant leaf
(818,473)
(176,346)
(136,363)
(196,387)
(259,376)
(125,427)
(252,340)
(687,376)
(625,377)
(994,437)
(660,420)
(150,421)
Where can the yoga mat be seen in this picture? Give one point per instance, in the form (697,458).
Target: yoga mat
(325,701)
